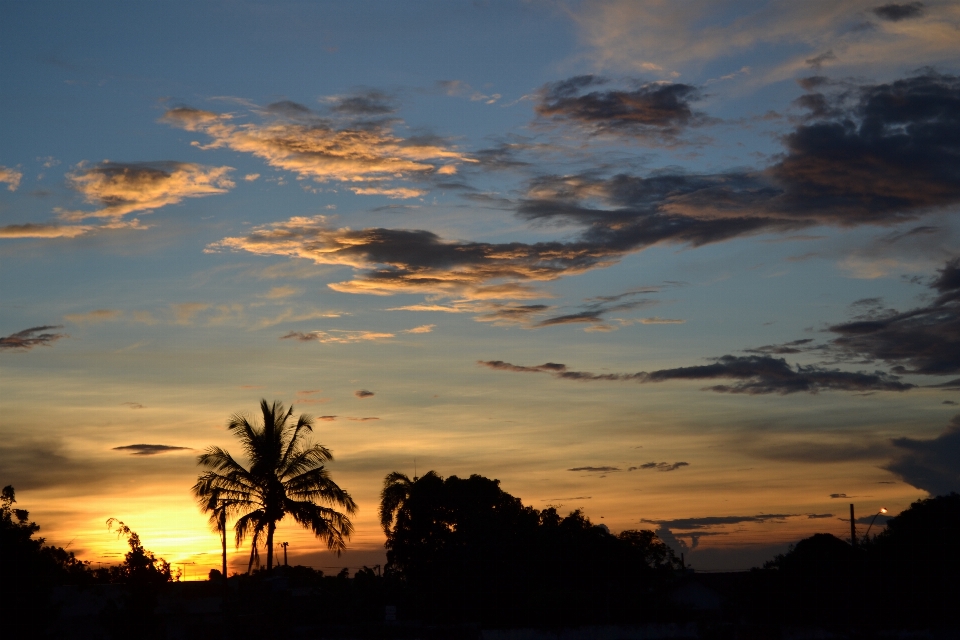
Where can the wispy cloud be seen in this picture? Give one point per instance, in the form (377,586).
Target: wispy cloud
(33,230)
(424,328)
(336,336)
(30,338)
(659,466)
(98,315)
(150,449)
(363,393)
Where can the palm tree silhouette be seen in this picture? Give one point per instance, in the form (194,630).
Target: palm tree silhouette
(287,475)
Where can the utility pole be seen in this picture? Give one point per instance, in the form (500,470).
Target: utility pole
(853,528)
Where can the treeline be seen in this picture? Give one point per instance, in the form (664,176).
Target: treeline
(464,550)
(464,555)
(906,577)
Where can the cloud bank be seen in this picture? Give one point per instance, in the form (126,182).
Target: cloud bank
(754,375)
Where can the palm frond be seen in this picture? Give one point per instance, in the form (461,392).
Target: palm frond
(396,490)
(328,525)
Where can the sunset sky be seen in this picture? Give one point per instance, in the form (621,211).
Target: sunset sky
(687,266)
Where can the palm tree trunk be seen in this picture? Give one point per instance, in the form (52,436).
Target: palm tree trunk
(223,540)
(270,529)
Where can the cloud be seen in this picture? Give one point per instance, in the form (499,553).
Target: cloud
(654,112)
(122,188)
(594,311)
(32,337)
(595,469)
(363,393)
(294,138)
(336,336)
(132,405)
(660,466)
(794,346)
(367,103)
(835,496)
(819,516)
(710,522)
(416,261)
(424,328)
(931,465)
(185,311)
(657,320)
(755,375)
(889,156)
(32,230)
(99,315)
(250,177)
(898,12)
(361,419)
(150,449)
(284,291)
(665,40)
(925,340)
(327,418)
(10,177)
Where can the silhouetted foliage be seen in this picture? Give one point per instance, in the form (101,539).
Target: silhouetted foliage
(905,577)
(463,550)
(139,566)
(287,475)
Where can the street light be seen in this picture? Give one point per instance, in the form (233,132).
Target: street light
(882,510)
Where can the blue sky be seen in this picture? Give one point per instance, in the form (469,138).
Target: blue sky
(568,245)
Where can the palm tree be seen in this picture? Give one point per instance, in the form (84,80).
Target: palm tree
(287,475)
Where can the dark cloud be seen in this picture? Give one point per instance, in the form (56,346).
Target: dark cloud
(897,12)
(817,61)
(930,465)
(368,103)
(299,336)
(660,466)
(818,516)
(363,393)
(595,469)
(925,340)
(794,346)
(684,524)
(948,402)
(654,111)
(890,155)
(839,495)
(594,312)
(32,337)
(150,449)
(132,405)
(289,109)
(755,375)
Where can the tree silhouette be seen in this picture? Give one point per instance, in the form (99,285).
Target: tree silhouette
(140,567)
(287,475)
